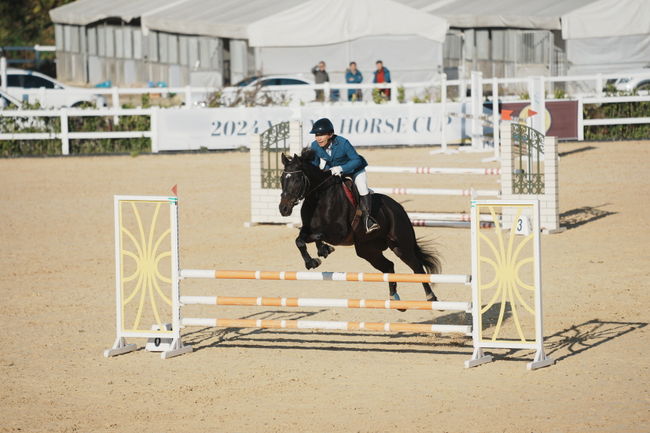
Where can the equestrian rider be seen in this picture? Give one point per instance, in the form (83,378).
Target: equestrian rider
(336,154)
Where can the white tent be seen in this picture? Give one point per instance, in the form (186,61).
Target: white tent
(409,41)
(607,18)
(608,36)
(515,14)
(223,18)
(84,12)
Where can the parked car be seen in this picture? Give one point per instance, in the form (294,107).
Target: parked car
(8,101)
(263,88)
(21,122)
(55,94)
(634,83)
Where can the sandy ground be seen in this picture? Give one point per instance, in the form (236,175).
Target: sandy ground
(57,311)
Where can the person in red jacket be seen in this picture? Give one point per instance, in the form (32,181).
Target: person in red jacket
(382,75)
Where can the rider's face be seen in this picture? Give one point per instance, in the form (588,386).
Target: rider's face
(323,139)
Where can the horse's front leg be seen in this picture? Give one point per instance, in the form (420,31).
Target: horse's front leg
(301,242)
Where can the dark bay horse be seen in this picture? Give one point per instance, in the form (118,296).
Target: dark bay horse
(327,216)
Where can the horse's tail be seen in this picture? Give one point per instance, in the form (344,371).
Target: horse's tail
(428,256)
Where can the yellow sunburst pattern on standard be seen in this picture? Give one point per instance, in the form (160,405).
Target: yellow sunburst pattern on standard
(506,281)
(145,249)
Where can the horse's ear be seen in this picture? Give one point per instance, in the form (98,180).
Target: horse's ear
(295,155)
(285,160)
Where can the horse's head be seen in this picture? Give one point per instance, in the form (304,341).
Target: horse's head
(294,183)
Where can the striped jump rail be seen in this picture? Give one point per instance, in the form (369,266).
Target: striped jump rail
(437,191)
(343,326)
(446,216)
(326,276)
(452,224)
(262,301)
(433,170)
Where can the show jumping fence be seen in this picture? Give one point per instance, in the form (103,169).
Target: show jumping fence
(529,169)
(506,303)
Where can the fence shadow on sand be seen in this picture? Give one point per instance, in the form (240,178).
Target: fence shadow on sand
(334,340)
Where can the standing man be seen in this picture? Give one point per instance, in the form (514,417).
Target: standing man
(320,76)
(382,75)
(353,75)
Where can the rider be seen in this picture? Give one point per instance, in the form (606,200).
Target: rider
(336,154)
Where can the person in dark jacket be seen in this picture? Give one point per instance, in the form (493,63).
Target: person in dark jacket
(320,76)
(336,154)
(382,75)
(353,76)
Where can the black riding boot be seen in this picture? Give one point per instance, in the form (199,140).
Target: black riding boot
(369,222)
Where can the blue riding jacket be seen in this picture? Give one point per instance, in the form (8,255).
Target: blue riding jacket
(342,153)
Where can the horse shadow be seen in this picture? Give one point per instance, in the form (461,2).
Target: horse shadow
(577,217)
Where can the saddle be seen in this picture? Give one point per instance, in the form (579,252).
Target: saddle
(352,194)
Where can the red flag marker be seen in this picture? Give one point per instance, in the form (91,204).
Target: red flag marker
(175,190)
(506,114)
(531,113)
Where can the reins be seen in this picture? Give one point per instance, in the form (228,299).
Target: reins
(305,191)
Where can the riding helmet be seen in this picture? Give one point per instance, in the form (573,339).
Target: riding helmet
(322,126)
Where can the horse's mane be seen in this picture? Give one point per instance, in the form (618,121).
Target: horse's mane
(307,154)
(306,157)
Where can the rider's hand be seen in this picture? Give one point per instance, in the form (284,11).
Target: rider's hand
(336,171)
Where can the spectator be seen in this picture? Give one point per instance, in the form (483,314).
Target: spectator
(353,75)
(320,76)
(382,75)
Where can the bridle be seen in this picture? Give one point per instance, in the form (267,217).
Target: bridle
(304,189)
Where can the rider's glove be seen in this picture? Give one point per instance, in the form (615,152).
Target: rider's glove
(336,171)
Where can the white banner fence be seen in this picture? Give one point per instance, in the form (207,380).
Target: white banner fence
(366,123)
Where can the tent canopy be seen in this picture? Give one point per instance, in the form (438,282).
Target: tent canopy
(84,12)
(223,19)
(539,15)
(607,18)
(325,22)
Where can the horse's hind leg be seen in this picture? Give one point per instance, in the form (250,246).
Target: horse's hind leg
(409,257)
(376,258)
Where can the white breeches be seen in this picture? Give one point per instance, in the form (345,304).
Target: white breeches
(361,181)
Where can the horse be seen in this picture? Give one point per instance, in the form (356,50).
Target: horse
(328,218)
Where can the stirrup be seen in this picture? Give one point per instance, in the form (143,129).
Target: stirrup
(371,225)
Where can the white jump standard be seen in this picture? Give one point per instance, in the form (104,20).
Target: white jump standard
(149,303)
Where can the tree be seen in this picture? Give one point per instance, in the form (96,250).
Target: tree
(27,22)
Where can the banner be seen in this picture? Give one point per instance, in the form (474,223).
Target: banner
(560,117)
(363,125)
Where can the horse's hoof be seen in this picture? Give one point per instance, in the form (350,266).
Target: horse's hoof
(432,298)
(312,263)
(396,297)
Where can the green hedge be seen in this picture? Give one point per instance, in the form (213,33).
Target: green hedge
(617,110)
(133,146)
